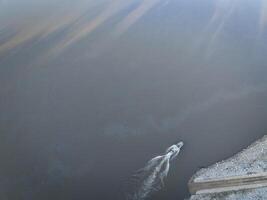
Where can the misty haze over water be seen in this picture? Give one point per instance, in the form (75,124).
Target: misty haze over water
(90,90)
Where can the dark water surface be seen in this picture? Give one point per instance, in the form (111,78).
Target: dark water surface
(92,89)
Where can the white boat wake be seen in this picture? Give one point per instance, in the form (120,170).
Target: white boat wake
(151,177)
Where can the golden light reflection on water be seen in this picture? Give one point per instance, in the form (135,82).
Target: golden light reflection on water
(43,26)
(29,27)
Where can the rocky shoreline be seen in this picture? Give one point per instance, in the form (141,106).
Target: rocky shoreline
(252,160)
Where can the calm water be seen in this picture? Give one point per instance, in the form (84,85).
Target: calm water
(92,89)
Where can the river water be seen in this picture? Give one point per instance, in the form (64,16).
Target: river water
(91,90)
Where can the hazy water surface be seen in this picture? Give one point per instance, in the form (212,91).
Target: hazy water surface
(90,90)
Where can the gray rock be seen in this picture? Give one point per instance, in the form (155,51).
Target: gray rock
(252,160)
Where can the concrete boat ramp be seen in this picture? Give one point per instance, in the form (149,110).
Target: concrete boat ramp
(234,183)
(241,177)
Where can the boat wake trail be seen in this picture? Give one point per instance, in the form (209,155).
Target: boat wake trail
(151,178)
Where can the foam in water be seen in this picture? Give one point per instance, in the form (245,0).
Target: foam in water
(151,177)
